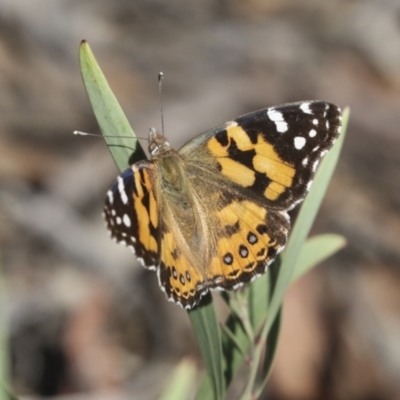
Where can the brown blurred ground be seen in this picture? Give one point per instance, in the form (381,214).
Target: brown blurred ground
(84,319)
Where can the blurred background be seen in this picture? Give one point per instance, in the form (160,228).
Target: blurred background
(85,321)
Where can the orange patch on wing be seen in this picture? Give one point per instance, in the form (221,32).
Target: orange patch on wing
(145,237)
(273,190)
(237,172)
(241,138)
(187,277)
(269,162)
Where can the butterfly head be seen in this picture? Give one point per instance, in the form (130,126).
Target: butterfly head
(158,144)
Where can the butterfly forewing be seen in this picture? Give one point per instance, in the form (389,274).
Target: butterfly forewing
(272,153)
(131,212)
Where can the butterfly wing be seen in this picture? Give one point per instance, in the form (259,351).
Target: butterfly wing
(179,273)
(224,241)
(272,153)
(240,180)
(235,243)
(247,238)
(131,212)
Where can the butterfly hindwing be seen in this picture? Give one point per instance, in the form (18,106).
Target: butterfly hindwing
(241,238)
(178,277)
(249,239)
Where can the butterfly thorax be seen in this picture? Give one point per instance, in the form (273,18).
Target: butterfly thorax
(171,175)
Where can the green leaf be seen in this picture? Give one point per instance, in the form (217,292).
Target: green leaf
(258,298)
(271,348)
(233,349)
(125,150)
(181,383)
(305,219)
(260,293)
(316,250)
(205,390)
(206,328)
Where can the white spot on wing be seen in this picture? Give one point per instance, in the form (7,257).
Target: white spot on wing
(127,220)
(110,196)
(277,117)
(309,184)
(305,161)
(119,220)
(305,107)
(237,286)
(312,133)
(113,213)
(132,249)
(315,121)
(327,124)
(121,188)
(244,252)
(299,142)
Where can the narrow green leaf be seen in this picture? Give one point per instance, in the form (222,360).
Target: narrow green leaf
(305,219)
(258,298)
(316,250)
(260,294)
(230,337)
(181,383)
(233,350)
(108,112)
(205,390)
(206,328)
(271,348)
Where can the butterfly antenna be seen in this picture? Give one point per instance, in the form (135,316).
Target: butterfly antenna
(80,133)
(160,78)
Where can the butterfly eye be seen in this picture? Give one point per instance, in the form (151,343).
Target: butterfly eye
(153,148)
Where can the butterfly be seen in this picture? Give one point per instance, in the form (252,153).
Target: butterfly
(214,214)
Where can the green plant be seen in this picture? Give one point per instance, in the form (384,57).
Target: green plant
(252,329)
